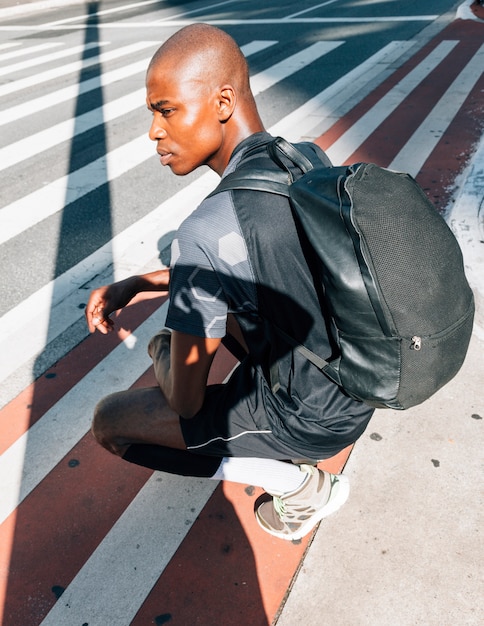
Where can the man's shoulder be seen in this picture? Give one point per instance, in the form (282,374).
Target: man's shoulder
(262,153)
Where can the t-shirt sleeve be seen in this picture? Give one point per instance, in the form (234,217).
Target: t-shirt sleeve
(198,305)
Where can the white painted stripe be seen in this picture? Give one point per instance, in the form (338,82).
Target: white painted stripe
(344,147)
(319,113)
(291,65)
(47,58)
(53,197)
(70,68)
(233,22)
(73,91)
(313,8)
(65,131)
(9,44)
(110,590)
(78,18)
(14,54)
(420,145)
(198,10)
(27,461)
(257,46)
(23,334)
(15,152)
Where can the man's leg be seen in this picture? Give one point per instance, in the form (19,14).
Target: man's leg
(139,426)
(136,416)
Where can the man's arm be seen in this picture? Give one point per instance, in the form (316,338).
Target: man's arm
(109,298)
(182,363)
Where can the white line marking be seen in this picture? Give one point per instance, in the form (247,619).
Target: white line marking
(73,91)
(278,72)
(126,7)
(14,54)
(53,197)
(10,44)
(110,590)
(420,145)
(39,142)
(199,10)
(316,115)
(232,22)
(69,68)
(317,6)
(343,148)
(46,58)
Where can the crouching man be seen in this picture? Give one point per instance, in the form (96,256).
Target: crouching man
(239,268)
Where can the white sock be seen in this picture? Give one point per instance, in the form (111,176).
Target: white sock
(275,477)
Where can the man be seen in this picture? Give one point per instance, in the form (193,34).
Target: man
(238,269)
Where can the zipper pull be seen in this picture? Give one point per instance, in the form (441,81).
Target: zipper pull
(416,343)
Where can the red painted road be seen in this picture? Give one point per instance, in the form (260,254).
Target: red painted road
(226,570)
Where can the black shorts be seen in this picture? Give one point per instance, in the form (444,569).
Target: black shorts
(238,418)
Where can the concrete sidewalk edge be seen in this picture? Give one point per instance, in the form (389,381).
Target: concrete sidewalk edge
(466,218)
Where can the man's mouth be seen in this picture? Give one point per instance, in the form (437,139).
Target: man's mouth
(165,157)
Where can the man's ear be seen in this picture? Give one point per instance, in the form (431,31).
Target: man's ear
(226,102)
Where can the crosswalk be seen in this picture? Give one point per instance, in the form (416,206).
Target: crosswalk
(83,538)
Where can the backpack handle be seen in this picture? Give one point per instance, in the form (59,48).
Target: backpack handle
(280,145)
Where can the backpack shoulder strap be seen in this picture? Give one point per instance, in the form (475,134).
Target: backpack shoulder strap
(250,177)
(257,178)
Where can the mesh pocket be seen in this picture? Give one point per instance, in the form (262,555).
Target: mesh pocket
(413,255)
(427,370)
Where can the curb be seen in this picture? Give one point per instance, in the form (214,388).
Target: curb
(466,219)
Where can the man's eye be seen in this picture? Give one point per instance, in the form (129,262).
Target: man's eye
(166,112)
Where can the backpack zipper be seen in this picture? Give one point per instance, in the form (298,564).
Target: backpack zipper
(416,343)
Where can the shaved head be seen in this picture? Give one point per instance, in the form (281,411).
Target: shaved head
(198,90)
(208,55)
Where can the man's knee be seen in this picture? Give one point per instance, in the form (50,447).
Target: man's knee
(103,425)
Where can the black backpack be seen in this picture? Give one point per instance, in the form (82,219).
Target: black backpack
(390,267)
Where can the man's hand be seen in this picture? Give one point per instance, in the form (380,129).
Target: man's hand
(105,300)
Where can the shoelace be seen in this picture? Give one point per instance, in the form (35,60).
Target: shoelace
(279,506)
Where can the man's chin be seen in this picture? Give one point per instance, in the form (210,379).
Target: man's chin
(181,170)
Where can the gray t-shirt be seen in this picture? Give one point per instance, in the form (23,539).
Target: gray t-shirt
(215,261)
(211,274)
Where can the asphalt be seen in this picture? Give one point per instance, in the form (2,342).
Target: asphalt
(405,549)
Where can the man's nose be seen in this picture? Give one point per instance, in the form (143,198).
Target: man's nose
(157,131)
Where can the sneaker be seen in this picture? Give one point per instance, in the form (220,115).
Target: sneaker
(296,513)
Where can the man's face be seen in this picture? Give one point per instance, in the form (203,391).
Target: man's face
(185,123)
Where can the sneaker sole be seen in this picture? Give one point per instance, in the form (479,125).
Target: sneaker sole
(331,507)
